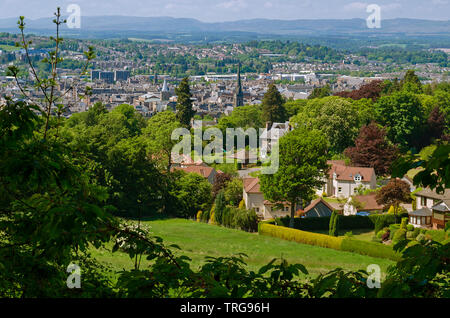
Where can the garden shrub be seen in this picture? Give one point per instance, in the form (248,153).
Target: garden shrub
(420,237)
(349,234)
(386,235)
(410,227)
(399,235)
(381,233)
(246,220)
(199,216)
(205,215)
(242,204)
(404,223)
(410,235)
(384,220)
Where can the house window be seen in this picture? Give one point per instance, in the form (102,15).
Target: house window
(358,178)
(340,190)
(257,210)
(423,201)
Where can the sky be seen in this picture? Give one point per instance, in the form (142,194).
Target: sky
(230,10)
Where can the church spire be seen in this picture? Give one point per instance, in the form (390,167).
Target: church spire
(239,95)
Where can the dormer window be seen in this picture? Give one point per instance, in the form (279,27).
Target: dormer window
(358,178)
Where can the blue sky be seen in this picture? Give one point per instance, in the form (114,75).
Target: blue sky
(229,10)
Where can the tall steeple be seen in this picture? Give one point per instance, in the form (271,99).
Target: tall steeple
(239,94)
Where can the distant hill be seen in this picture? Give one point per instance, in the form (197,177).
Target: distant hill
(125,26)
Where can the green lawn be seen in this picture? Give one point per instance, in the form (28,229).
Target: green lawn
(198,240)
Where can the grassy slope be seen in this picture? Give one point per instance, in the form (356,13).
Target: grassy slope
(198,240)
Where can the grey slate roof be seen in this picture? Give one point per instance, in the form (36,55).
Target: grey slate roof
(421,212)
(428,193)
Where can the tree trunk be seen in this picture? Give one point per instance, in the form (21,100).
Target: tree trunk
(291,220)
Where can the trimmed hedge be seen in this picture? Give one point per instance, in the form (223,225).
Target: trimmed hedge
(300,236)
(305,224)
(322,240)
(350,222)
(369,249)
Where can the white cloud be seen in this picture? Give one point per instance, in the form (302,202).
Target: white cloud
(233,4)
(356,6)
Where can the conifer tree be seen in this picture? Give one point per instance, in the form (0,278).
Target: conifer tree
(184,103)
(273,106)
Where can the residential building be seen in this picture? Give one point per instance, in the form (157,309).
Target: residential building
(208,173)
(254,199)
(432,209)
(359,203)
(317,208)
(344,181)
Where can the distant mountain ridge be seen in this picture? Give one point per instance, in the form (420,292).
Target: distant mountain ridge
(128,26)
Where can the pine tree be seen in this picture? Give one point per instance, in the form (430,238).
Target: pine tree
(273,106)
(334,224)
(411,82)
(184,103)
(220,206)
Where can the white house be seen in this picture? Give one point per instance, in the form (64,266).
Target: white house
(344,181)
(254,199)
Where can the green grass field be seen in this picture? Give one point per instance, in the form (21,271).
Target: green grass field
(198,240)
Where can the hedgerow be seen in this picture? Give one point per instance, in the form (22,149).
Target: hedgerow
(322,240)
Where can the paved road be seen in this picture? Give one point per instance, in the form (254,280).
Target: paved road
(245,173)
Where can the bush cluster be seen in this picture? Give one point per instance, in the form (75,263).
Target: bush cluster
(241,219)
(231,217)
